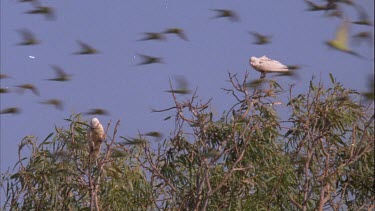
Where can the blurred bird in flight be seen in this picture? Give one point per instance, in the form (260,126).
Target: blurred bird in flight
(261,39)
(152,36)
(182,86)
(369,94)
(60,74)
(31,1)
(317,7)
(54,102)
(224,13)
(48,12)
(150,59)
(364,18)
(341,42)
(97,111)
(30,87)
(365,36)
(86,49)
(4,76)
(4,90)
(155,134)
(177,31)
(28,37)
(10,110)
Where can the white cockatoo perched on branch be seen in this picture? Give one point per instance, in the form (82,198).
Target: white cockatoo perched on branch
(95,137)
(266,65)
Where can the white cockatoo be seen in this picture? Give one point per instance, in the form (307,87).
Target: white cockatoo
(267,65)
(95,137)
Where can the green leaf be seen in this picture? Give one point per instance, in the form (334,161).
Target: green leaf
(47,139)
(269,179)
(331,77)
(289,132)
(16,175)
(168,117)
(312,86)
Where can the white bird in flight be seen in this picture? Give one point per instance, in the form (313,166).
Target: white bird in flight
(266,65)
(95,137)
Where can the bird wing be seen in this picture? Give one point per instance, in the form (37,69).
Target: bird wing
(88,137)
(342,34)
(102,133)
(26,34)
(59,72)
(84,46)
(269,65)
(257,35)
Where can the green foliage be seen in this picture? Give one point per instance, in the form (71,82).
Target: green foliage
(56,176)
(331,135)
(316,153)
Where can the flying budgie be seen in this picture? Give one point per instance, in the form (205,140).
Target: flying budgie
(265,65)
(95,137)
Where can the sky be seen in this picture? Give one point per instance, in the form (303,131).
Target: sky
(113,80)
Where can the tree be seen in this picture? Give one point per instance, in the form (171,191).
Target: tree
(316,152)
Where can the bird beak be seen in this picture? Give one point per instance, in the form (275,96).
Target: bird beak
(252,60)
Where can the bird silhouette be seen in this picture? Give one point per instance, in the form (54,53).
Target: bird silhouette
(4,76)
(340,42)
(134,141)
(261,39)
(177,31)
(152,36)
(11,110)
(369,94)
(48,12)
(347,2)
(155,134)
(97,111)
(4,90)
(31,1)
(365,36)
(58,104)
(364,18)
(28,37)
(224,13)
(150,60)
(182,86)
(30,87)
(335,13)
(86,49)
(61,76)
(316,7)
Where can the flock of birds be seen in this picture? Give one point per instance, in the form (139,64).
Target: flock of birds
(262,64)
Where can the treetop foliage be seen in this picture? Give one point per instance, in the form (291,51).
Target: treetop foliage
(316,152)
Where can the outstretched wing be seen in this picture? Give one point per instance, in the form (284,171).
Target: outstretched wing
(342,34)
(89,141)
